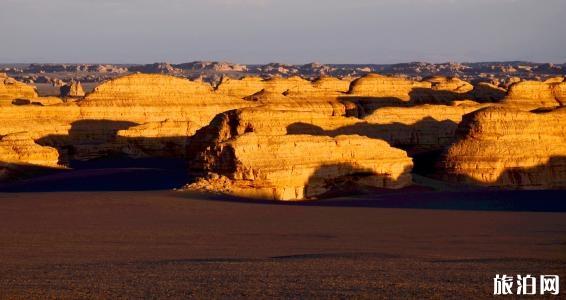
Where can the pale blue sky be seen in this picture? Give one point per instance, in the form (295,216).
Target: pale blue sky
(288,31)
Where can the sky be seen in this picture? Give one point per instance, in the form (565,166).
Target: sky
(286,31)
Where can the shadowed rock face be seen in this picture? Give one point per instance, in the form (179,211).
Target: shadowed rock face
(161,139)
(509,148)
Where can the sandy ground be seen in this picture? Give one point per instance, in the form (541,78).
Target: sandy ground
(157,244)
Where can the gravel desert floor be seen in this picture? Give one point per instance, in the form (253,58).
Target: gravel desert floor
(166,244)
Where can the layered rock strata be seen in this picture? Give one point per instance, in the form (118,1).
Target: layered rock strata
(19,154)
(297,167)
(531,95)
(509,148)
(11,90)
(419,128)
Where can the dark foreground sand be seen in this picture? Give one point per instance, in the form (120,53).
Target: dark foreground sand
(158,244)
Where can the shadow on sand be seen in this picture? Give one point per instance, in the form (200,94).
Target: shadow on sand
(421,198)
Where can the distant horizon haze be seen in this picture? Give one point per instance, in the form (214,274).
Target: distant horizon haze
(289,32)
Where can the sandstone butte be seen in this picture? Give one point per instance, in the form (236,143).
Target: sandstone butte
(19,151)
(509,148)
(253,152)
(11,90)
(529,95)
(73,89)
(145,115)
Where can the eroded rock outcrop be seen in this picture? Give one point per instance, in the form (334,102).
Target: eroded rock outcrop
(530,95)
(11,89)
(419,128)
(20,154)
(276,154)
(19,148)
(378,86)
(73,89)
(297,167)
(143,98)
(509,148)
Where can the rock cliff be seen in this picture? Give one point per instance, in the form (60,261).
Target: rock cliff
(298,167)
(509,148)
(529,95)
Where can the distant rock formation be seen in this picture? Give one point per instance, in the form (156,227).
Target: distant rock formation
(379,86)
(508,148)
(73,89)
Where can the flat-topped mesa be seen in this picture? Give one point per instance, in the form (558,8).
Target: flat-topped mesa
(330,85)
(330,106)
(143,98)
(147,90)
(295,85)
(378,86)
(530,95)
(298,167)
(421,128)
(240,88)
(509,148)
(11,90)
(158,139)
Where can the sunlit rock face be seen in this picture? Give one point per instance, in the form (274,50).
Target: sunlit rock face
(143,98)
(19,148)
(11,90)
(247,86)
(252,153)
(297,167)
(530,95)
(375,85)
(20,154)
(509,148)
(74,89)
(419,128)
(559,91)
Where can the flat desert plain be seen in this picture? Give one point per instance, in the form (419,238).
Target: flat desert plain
(157,244)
